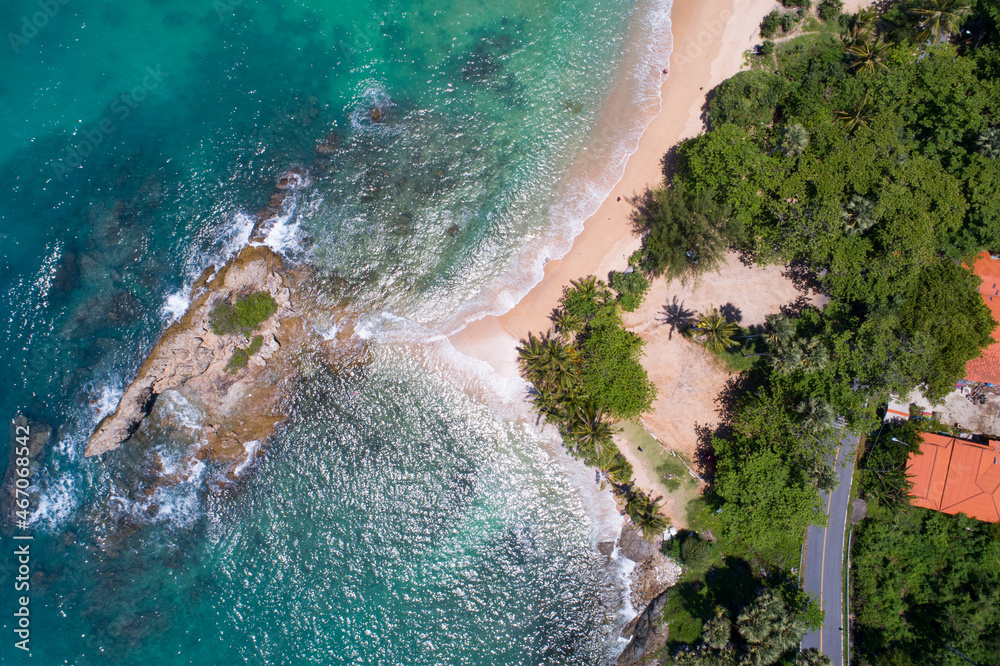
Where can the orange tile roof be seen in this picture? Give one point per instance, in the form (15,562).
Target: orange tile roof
(956,476)
(986,368)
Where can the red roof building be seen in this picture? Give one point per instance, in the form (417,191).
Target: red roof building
(986,368)
(956,476)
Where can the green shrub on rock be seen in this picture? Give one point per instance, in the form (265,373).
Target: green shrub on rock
(243,316)
(242,356)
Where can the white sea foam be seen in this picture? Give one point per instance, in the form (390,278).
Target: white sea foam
(177,304)
(235,238)
(251,447)
(179,504)
(283,235)
(56,503)
(106,401)
(180,410)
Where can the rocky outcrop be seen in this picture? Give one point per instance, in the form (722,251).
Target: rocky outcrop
(190,355)
(648,636)
(651,579)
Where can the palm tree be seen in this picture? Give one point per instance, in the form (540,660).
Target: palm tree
(813,657)
(869,57)
(587,287)
(718,631)
(591,430)
(939,18)
(795,141)
(780,329)
(787,358)
(715,330)
(988,143)
(860,115)
(612,468)
(567,323)
(817,413)
(858,214)
(645,514)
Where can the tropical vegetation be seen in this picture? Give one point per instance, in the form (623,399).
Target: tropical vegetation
(585,374)
(925,585)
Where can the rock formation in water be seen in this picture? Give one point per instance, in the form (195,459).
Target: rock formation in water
(191,356)
(242,405)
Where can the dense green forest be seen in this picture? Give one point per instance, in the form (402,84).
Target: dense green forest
(865,156)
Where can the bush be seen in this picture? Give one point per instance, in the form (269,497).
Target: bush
(829,10)
(242,356)
(803,4)
(766,50)
(787,23)
(631,288)
(243,316)
(769,26)
(686,233)
(698,555)
(748,100)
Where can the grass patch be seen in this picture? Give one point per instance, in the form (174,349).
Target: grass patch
(674,474)
(242,356)
(735,359)
(700,516)
(243,316)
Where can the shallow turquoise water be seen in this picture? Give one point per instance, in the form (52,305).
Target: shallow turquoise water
(395,519)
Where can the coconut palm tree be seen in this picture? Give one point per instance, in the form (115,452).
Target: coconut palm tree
(587,287)
(645,514)
(869,56)
(613,469)
(567,323)
(939,18)
(715,330)
(795,140)
(591,430)
(858,116)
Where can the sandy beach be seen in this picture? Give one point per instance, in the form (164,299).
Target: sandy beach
(710,38)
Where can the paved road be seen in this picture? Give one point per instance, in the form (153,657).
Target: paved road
(823,563)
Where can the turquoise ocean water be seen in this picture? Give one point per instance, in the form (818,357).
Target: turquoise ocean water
(408,512)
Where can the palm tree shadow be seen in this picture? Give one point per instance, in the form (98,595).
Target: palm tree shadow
(676,316)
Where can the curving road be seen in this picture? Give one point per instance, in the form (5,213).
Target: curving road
(822,561)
